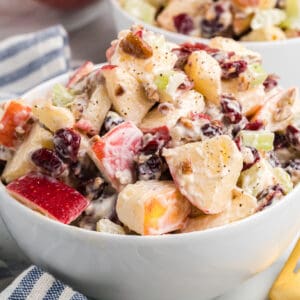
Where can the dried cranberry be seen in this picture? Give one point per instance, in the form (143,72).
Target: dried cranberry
(186,49)
(255,125)
(112,119)
(254,159)
(293,167)
(266,197)
(48,161)
(151,168)
(211,130)
(66,144)
(154,140)
(270,82)
(232,110)
(183,23)
(280,141)
(238,142)
(233,69)
(293,136)
(211,28)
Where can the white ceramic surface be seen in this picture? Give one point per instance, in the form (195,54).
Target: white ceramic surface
(192,266)
(280,57)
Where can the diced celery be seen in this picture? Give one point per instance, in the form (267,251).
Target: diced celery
(257,178)
(140,9)
(292,9)
(283,179)
(61,96)
(267,17)
(258,74)
(168,82)
(162,81)
(261,140)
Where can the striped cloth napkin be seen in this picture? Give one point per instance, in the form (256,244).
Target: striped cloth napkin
(25,61)
(29,59)
(35,284)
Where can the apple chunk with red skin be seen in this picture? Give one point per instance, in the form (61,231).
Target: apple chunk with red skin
(48,196)
(114,153)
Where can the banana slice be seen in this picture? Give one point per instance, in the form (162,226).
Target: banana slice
(206,172)
(152,207)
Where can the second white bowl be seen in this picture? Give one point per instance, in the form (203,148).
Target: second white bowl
(279,57)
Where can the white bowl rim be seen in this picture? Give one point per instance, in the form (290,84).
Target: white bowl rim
(176,35)
(215,230)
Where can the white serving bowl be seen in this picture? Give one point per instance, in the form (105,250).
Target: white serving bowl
(193,266)
(279,57)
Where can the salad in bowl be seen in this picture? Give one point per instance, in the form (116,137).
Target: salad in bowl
(163,139)
(245,20)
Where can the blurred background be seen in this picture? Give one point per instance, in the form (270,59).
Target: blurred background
(88,22)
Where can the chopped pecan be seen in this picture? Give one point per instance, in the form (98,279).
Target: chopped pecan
(186,167)
(134,45)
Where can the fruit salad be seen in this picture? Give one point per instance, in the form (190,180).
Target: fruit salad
(245,20)
(163,138)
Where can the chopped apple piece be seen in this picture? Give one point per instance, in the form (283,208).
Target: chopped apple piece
(270,33)
(93,116)
(15,117)
(251,99)
(168,114)
(206,172)
(229,45)
(242,205)
(53,117)
(114,153)
(20,164)
(107,226)
(82,71)
(152,207)
(277,112)
(48,196)
(127,94)
(175,7)
(140,9)
(205,72)
(257,178)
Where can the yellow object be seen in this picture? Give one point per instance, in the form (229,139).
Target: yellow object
(206,73)
(287,284)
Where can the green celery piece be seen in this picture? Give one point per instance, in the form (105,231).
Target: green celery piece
(292,10)
(61,96)
(162,80)
(141,10)
(259,73)
(261,140)
(283,179)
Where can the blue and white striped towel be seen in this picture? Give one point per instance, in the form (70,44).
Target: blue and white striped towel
(35,284)
(26,61)
(29,59)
